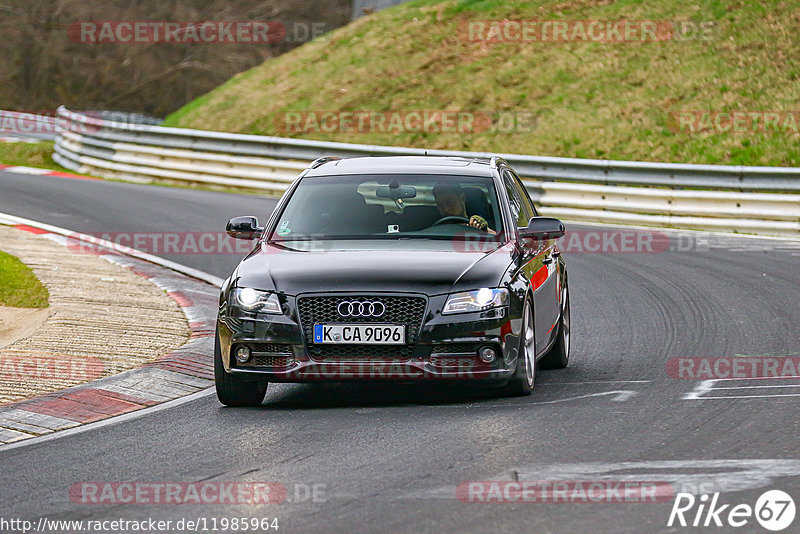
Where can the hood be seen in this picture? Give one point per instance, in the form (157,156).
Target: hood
(429,267)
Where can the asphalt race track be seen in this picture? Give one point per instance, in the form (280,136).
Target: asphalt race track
(379,458)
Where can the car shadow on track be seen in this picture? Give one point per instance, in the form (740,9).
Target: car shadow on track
(376,394)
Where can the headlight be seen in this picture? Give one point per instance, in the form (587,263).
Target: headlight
(255,300)
(474,301)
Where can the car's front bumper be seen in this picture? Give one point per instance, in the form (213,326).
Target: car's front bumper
(445,348)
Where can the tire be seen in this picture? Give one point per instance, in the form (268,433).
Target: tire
(558,356)
(232,390)
(524,378)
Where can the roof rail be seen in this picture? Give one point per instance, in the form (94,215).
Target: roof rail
(496,161)
(320,161)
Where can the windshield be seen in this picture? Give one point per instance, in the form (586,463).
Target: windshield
(391,207)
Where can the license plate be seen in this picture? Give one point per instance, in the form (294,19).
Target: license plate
(360,334)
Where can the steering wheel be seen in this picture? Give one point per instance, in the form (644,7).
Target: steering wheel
(449,218)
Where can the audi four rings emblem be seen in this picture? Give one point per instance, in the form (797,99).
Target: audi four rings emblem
(356,308)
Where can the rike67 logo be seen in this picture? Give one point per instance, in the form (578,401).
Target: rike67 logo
(774,510)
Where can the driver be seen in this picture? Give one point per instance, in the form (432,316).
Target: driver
(451,202)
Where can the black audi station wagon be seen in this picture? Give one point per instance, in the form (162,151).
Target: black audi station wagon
(395,268)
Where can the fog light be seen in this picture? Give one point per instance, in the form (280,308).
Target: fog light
(487,354)
(242,354)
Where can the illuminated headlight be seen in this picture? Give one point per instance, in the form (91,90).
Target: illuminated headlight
(487,354)
(242,354)
(255,300)
(475,301)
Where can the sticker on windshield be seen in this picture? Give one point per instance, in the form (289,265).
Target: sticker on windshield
(283,229)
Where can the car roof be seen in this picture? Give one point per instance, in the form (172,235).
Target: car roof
(404,165)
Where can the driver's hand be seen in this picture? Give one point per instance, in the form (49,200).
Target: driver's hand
(476,221)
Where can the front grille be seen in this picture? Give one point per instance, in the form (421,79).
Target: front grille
(399,310)
(459,363)
(269,361)
(273,355)
(454,348)
(356,353)
(278,348)
(454,356)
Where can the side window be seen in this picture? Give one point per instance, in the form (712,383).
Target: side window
(520,206)
(526,198)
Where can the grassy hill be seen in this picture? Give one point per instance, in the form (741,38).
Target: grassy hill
(590,99)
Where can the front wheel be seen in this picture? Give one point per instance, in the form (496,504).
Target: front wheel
(558,356)
(524,377)
(232,390)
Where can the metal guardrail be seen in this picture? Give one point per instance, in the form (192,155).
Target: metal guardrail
(35,126)
(26,127)
(760,200)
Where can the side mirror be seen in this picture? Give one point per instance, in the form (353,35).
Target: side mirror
(244,228)
(542,228)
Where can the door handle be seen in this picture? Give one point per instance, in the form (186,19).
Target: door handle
(547,260)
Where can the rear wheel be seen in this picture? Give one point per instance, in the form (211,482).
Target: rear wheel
(232,390)
(558,356)
(525,375)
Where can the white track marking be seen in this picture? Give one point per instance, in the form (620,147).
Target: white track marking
(594,382)
(688,476)
(619,396)
(706,387)
(177,267)
(761,387)
(26,170)
(703,387)
(752,396)
(188,271)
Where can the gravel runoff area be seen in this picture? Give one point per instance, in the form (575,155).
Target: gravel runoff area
(103,319)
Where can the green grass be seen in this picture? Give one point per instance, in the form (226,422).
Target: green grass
(30,155)
(19,287)
(590,100)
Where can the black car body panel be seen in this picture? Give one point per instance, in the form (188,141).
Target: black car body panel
(373,265)
(411,277)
